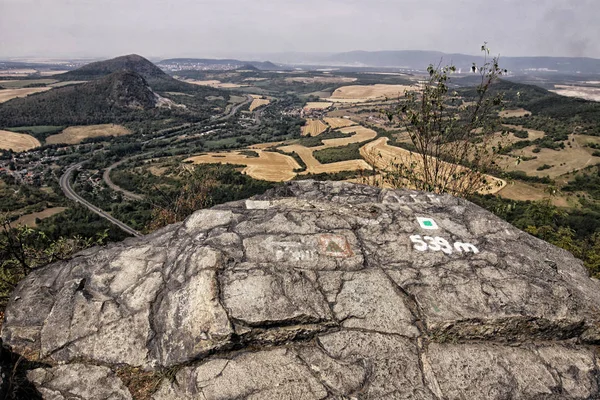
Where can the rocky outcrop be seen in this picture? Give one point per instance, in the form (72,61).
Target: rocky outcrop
(320,291)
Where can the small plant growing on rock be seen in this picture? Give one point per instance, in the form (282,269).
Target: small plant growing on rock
(453,147)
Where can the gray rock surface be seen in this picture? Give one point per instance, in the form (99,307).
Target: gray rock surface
(78,381)
(321,290)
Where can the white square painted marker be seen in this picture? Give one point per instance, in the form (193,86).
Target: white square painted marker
(427,223)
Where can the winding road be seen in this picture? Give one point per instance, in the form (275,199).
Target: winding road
(65,185)
(235,109)
(65,180)
(113,186)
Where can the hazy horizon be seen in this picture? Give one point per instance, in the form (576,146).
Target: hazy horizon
(232,28)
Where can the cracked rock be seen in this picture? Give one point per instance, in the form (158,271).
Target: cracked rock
(78,382)
(319,290)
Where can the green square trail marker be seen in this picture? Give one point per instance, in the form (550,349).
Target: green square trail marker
(427,223)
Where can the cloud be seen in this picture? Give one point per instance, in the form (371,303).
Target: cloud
(228,27)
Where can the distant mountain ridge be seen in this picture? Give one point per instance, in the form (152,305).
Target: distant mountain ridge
(132,62)
(156,77)
(417,59)
(127,88)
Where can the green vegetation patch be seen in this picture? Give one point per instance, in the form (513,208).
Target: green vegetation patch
(27,83)
(336,154)
(314,141)
(249,153)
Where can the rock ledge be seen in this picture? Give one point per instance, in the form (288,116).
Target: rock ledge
(318,290)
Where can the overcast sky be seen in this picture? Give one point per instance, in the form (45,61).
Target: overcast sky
(212,28)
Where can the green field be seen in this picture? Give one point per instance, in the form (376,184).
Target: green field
(22,83)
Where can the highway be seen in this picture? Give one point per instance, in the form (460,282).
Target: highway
(65,185)
(235,109)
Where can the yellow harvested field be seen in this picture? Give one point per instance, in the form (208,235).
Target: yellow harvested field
(382,155)
(75,134)
(317,105)
(313,127)
(362,134)
(522,191)
(258,103)
(278,167)
(9,94)
(313,166)
(349,165)
(520,112)
(562,161)
(29,219)
(269,165)
(17,141)
(51,73)
(370,92)
(66,83)
(335,123)
(582,92)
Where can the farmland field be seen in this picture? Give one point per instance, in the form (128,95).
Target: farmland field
(258,102)
(17,141)
(9,94)
(22,84)
(269,165)
(533,134)
(582,92)
(66,83)
(359,93)
(520,112)
(382,155)
(318,105)
(313,127)
(522,191)
(336,123)
(276,167)
(362,134)
(559,162)
(29,219)
(313,166)
(76,134)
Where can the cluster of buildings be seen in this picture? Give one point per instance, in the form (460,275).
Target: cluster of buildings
(199,66)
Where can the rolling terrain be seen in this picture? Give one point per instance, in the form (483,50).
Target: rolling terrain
(128,88)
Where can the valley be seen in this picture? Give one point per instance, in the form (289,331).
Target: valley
(127,142)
